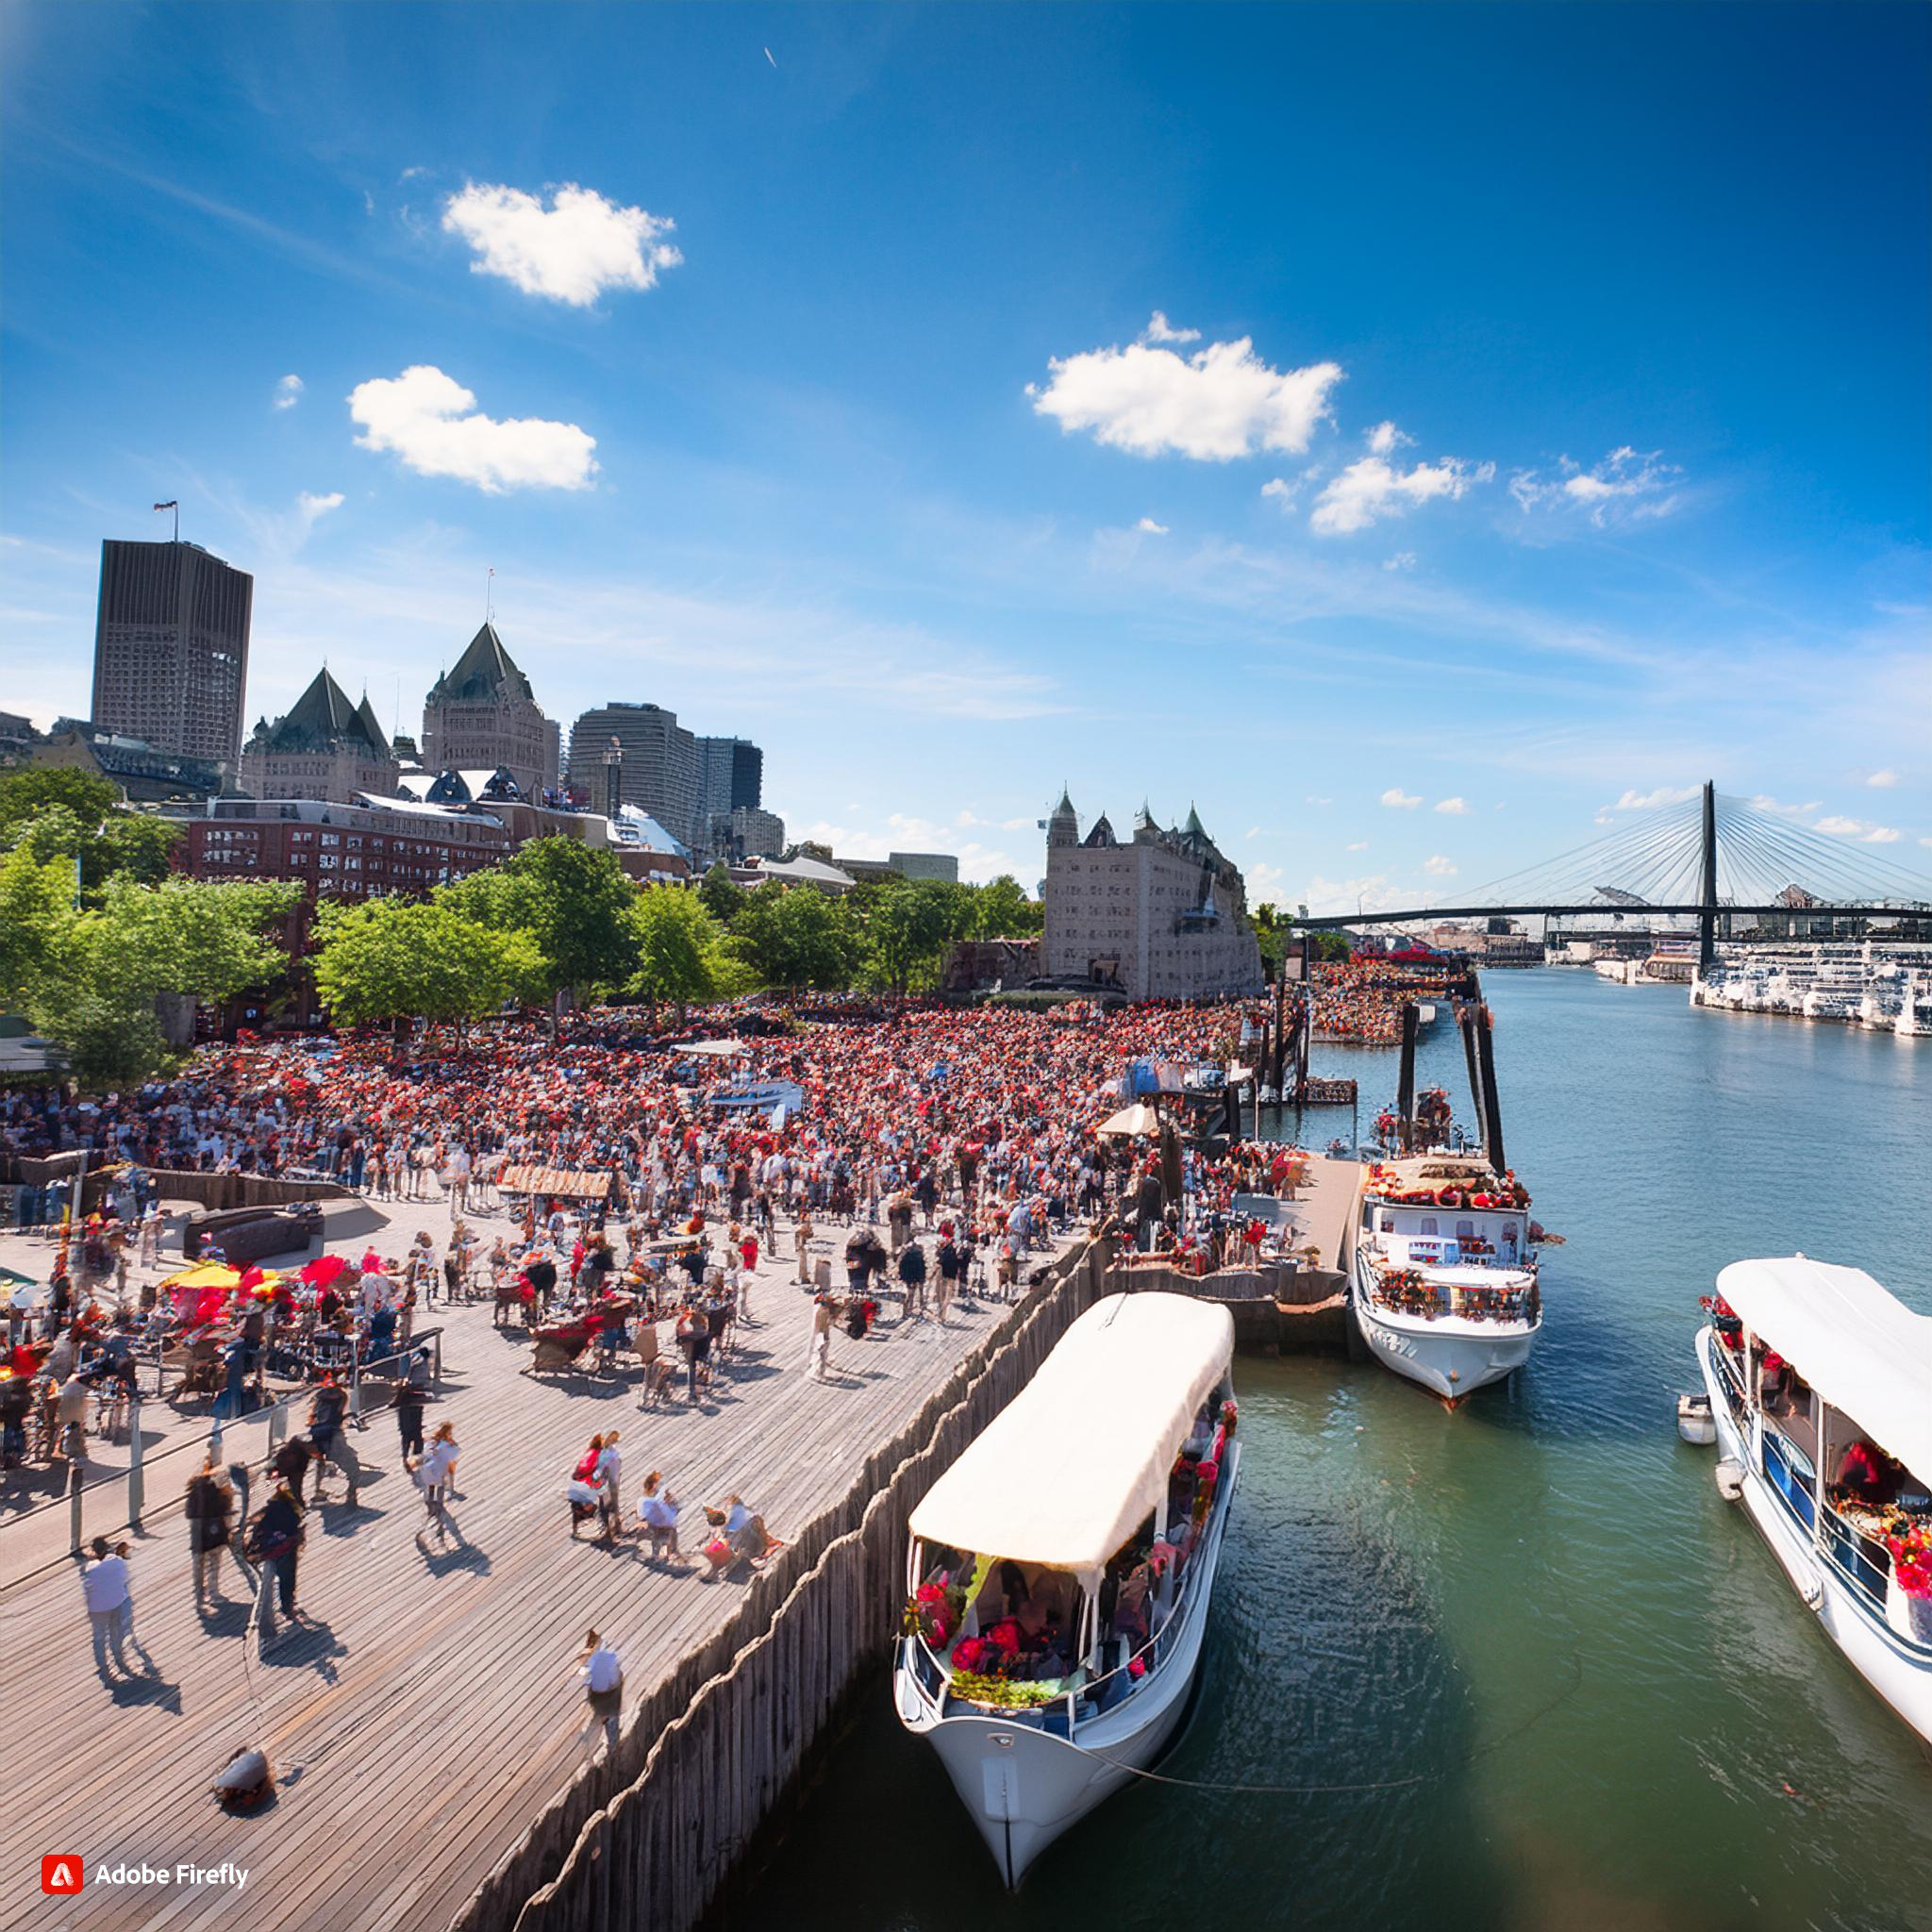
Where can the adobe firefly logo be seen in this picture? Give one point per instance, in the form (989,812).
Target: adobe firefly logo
(61,1875)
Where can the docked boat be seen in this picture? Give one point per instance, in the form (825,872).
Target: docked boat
(1821,1384)
(1444,1276)
(1060,1570)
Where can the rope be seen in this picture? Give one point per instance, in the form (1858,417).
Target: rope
(1396,1784)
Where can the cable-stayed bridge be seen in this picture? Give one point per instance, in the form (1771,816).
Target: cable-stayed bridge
(1712,857)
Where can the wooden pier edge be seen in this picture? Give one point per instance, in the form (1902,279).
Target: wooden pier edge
(649,1835)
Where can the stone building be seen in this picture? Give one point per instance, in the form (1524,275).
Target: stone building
(482,715)
(1161,915)
(322,747)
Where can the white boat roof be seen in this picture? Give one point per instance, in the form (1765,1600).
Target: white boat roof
(1074,1464)
(1859,1347)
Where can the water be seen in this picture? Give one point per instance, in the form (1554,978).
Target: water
(1619,1713)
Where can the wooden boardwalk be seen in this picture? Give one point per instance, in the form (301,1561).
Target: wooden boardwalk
(431,1708)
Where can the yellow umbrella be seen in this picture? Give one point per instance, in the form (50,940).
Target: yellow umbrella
(205,1274)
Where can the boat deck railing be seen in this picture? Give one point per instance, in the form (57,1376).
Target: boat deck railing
(1080,1704)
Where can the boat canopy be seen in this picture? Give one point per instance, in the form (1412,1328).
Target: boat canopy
(1862,1349)
(1072,1466)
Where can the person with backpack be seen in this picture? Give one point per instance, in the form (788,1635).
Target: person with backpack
(275,1540)
(327,1414)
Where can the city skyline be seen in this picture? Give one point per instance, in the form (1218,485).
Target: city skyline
(1412,514)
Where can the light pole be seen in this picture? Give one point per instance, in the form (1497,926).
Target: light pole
(613,778)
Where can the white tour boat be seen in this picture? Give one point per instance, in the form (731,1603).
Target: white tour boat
(1443,1278)
(1821,1383)
(1060,1570)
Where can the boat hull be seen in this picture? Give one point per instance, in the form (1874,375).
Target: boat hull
(1024,1786)
(1899,1671)
(1450,1356)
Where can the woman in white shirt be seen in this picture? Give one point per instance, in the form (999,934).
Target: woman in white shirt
(436,1472)
(609,1476)
(657,1517)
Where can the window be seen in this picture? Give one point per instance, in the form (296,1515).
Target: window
(1428,1225)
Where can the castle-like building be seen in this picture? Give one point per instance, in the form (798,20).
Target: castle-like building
(1161,916)
(322,747)
(481,715)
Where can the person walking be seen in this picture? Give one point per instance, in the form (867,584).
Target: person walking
(459,1181)
(410,1398)
(436,1474)
(819,1362)
(601,1676)
(801,1235)
(210,1508)
(607,1475)
(291,1461)
(912,1278)
(105,1590)
(275,1540)
(694,1339)
(327,1415)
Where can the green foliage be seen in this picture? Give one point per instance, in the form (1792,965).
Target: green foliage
(36,912)
(1002,910)
(912,927)
(571,899)
(54,812)
(798,937)
(392,958)
(1333,946)
(678,947)
(723,897)
(105,968)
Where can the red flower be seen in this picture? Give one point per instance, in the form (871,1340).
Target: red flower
(1005,1637)
(1137,1667)
(969,1654)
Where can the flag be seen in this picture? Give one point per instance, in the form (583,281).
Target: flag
(167,506)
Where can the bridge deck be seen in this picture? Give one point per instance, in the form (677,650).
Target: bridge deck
(431,1708)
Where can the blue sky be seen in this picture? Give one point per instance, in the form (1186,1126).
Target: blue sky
(1411,436)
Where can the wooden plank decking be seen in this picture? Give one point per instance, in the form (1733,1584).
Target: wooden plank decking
(432,1707)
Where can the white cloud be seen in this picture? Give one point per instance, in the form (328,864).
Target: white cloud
(1283,491)
(1649,801)
(288,392)
(1396,799)
(1882,781)
(1359,846)
(1925,842)
(431,421)
(1453,807)
(1151,527)
(1403,559)
(312,507)
(1219,403)
(1764,801)
(1314,800)
(1370,893)
(1254,831)
(571,251)
(1629,484)
(1374,488)
(1385,440)
(1439,868)
(1159,329)
(1862,829)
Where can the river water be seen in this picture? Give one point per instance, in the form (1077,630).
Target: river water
(1543,1675)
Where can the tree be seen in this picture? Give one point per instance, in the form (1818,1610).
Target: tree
(677,948)
(572,899)
(1002,910)
(36,913)
(912,926)
(392,958)
(54,810)
(796,937)
(107,966)
(723,896)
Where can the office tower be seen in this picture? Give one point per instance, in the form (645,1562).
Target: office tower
(660,773)
(171,648)
(731,775)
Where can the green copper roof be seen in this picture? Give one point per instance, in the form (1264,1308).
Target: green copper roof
(486,671)
(322,718)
